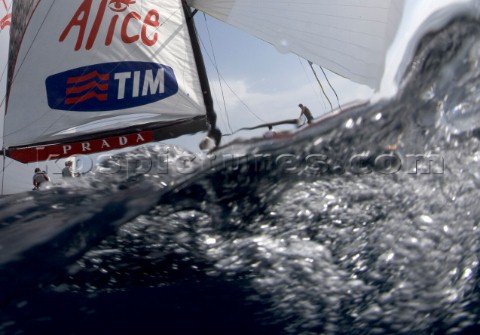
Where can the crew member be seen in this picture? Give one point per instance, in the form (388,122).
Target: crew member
(67,170)
(270,133)
(305,111)
(40,177)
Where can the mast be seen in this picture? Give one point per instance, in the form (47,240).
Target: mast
(214,132)
(202,71)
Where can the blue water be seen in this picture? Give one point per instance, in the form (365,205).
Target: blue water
(366,223)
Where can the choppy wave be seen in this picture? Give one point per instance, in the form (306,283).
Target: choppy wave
(365,223)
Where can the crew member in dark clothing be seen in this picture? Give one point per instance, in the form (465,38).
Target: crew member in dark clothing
(305,111)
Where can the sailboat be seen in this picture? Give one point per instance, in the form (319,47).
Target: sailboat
(98,75)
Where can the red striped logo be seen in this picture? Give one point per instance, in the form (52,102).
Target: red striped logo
(90,86)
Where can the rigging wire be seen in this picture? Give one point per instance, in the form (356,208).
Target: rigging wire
(3,100)
(320,84)
(215,65)
(3,167)
(313,88)
(231,89)
(335,92)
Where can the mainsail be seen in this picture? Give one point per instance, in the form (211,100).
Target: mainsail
(348,37)
(98,75)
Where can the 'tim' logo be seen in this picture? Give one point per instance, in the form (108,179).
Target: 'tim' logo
(110,86)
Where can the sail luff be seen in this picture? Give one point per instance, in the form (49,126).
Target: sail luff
(350,38)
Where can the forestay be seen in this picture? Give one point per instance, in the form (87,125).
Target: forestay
(349,37)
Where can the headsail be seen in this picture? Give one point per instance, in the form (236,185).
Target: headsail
(98,75)
(349,37)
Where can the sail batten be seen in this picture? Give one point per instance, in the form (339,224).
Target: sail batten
(348,37)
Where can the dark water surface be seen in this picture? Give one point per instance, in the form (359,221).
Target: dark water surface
(367,223)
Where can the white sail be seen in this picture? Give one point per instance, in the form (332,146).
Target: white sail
(86,67)
(349,37)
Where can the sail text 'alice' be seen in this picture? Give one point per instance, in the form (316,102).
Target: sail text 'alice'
(131,21)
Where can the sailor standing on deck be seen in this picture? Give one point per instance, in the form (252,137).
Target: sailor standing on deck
(270,132)
(305,111)
(39,178)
